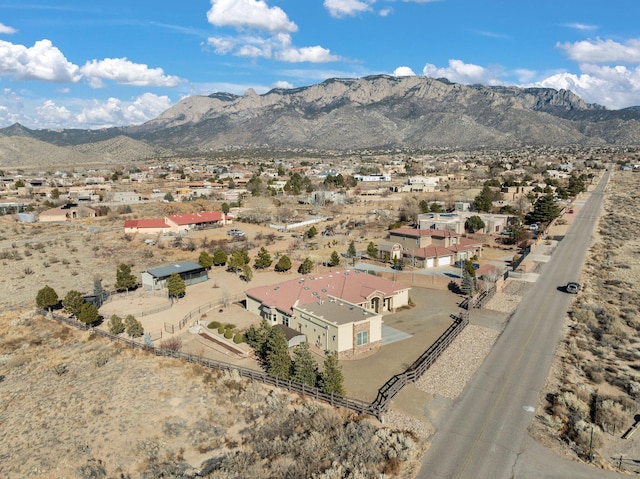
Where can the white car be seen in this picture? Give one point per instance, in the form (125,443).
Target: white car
(235,232)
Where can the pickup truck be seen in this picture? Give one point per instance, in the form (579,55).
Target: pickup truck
(572,287)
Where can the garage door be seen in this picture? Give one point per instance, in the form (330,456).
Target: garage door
(444,261)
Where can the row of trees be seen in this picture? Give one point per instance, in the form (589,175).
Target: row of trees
(73,303)
(272,348)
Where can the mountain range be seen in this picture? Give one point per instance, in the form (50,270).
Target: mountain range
(375,112)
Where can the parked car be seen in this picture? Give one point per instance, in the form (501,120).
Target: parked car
(572,287)
(570,211)
(235,232)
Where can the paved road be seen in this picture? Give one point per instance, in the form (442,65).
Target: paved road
(485,433)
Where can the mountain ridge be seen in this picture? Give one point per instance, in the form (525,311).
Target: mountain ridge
(375,112)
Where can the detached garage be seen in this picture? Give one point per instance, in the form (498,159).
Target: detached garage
(190,272)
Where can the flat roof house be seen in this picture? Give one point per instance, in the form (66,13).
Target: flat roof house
(190,272)
(338,312)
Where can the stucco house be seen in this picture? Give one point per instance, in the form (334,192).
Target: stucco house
(67,213)
(428,248)
(338,312)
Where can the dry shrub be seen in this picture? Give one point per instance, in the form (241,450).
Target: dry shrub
(173,344)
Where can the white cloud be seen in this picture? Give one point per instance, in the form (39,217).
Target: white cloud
(123,71)
(6,30)
(115,112)
(43,62)
(278,47)
(283,84)
(51,115)
(603,51)
(314,54)
(249,14)
(403,72)
(460,72)
(346,8)
(615,87)
(581,26)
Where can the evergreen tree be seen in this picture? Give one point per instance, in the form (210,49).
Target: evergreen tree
(332,379)
(484,200)
(305,368)
(238,259)
(98,291)
(176,286)
(372,251)
(116,326)
(205,260)
(46,298)
(133,327)
(88,313)
(424,206)
(351,251)
(219,257)
(263,259)
(284,264)
(306,266)
(247,272)
(469,268)
(545,209)
(124,279)
(474,223)
(334,260)
(277,354)
(467,286)
(311,232)
(225,208)
(435,207)
(257,337)
(73,302)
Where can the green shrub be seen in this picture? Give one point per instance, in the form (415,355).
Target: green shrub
(221,329)
(214,325)
(238,338)
(229,326)
(228,333)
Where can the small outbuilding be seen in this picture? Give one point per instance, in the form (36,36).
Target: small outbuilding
(190,272)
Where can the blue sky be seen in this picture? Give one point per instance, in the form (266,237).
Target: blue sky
(80,64)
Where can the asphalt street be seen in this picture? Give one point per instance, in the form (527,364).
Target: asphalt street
(485,433)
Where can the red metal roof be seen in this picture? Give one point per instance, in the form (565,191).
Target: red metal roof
(195,218)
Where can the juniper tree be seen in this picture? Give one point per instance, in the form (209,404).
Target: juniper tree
(88,313)
(124,279)
(176,286)
(263,259)
(205,260)
(284,264)
(46,298)
(306,266)
(334,260)
(115,325)
(277,356)
(332,379)
(305,368)
(219,257)
(73,302)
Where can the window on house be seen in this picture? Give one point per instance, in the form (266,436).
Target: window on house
(362,338)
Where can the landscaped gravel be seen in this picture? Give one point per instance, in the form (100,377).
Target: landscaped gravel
(449,374)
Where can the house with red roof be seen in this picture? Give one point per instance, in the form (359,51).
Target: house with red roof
(429,248)
(178,224)
(146,226)
(340,311)
(190,221)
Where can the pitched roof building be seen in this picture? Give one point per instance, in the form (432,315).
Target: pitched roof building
(339,311)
